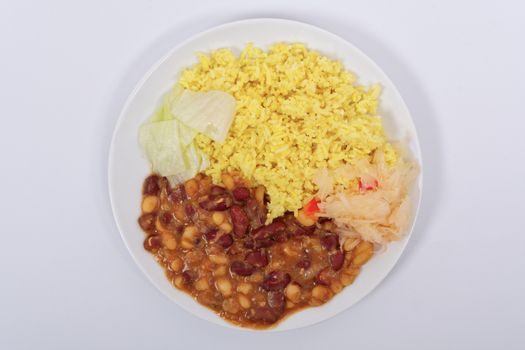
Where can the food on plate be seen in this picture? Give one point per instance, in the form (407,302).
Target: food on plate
(273,182)
(169,142)
(215,245)
(367,200)
(297,111)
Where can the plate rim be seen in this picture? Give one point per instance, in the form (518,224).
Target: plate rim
(147,75)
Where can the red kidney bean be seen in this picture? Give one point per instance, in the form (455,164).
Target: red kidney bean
(239,220)
(269,230)
(276,300)
(177,194)
(186,277)
(241,194)
(258,244)
(151,185)
(189,210)
(241,268)
(263,243)
(211,234)
(323,277)
(259,233)
(147,221)
(166,218)
(225,241)
(257,258)
(264,314)
(152,243)
(164,183)
(274,227)
(337,260)
(219,202)
(280,237)
(303,264)
(330,241)
(275,280)
(215,190)
(249,244)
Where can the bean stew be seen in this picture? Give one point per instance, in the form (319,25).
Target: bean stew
(215,244)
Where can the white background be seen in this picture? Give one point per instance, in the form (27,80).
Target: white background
(66,279)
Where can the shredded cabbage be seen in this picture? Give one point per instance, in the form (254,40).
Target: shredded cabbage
(378,215)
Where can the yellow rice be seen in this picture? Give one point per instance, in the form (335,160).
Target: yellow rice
(297,111)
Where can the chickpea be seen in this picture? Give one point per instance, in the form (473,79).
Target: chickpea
(231,305)
(256,277)
(350,244)
(362,253)
(348,276)
(160,227)
(188,237)
(259,195)
(150,204)
(336,286)
(304,219)
(293,292)
(259,299)
(226,227)
(219,259)
(289,304)
(348,258)
(169,242)
(180,213)
(321,293)
(178,282)
(191,187)
(202,284)
(244,301)
(218,218)
(224,286)
(186,244)
(228,182)
(244,288)
(220,271)
(177,264)
(361,259)
(364,246)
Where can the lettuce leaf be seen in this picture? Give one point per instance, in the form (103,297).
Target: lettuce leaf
(164,112)
(210,113)
(168,139)
(162,147)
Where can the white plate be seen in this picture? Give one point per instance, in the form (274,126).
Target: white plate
(128,168)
